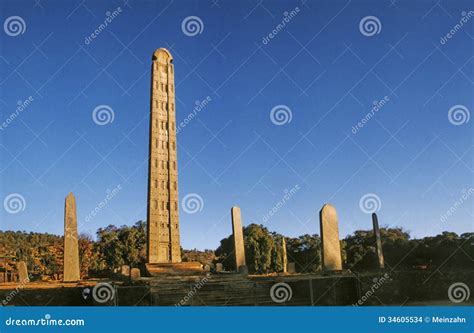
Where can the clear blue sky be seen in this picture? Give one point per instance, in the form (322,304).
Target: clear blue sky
(319,65)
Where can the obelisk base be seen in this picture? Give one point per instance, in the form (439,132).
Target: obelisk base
(178,268)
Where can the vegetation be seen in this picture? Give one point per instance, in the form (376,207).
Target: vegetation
(116,246)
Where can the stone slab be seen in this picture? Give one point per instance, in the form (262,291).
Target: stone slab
(71,249)
(180,268)
(378,241)
(331,247)
(239,249)
(22,272)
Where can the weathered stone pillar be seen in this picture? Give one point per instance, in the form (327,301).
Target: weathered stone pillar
(135,274)
(284,256)
(22,272)
(378,241)
(71,249)
(239,249)
(291,268)
(331,248)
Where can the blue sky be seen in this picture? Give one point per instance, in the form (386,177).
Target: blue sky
(321,69)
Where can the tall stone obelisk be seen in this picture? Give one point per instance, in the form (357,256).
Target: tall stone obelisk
(284,255)
(331,247)
(163,244)
(378,241)
(71,270)
(239,248)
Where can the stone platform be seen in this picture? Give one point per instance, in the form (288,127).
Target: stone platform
(178,268)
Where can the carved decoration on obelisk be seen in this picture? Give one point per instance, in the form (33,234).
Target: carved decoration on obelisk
(71,249)
(331,248)
(378,241)
(239,249)
(163,244)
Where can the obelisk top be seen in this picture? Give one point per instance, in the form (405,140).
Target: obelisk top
(163,53)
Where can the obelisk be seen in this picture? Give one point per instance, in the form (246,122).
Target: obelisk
(331,248)
(22,272)
(71,249)
(378,241)
(239,250)
(163,244)
(284,256)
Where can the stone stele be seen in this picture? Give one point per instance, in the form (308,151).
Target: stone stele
(237,230)
(331,247)
(163,238)
(284,256)
(291,268)
(135,274)
(378,241)
(71,249)
(22,272)
(125,270)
